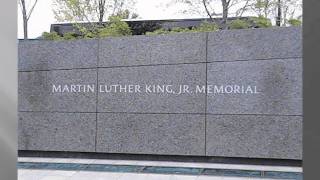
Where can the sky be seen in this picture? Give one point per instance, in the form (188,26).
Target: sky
(42,16)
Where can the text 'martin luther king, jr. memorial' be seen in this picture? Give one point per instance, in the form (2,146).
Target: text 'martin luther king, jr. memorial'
(232,93)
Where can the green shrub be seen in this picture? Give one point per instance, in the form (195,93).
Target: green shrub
(261,22)
(115,28)
(86,32)
(206,27)
(180,30)
(51,36)
(295,22)
(158,31)
(70,36)
(89,35)
(239,24)
(172,31)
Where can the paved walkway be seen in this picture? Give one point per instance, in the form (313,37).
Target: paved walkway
(53,169)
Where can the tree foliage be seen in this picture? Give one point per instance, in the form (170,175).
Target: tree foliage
(210,8)
(264,8)
(283,10)
(279,10)
(91,10)
(94,13)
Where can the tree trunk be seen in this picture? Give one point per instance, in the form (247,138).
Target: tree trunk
(266,8)
(25,28)
(225,8)
(25,19)
(278,22)
(100,19)
(207,10)
(101,11)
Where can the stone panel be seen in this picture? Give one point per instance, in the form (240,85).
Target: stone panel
(252,44)
(254,136)
(57,131)
(146,50)
(153,102)
(278,82)
(46,55)
(169,134)
(35,91)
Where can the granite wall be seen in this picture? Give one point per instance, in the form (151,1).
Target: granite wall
(263,125)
